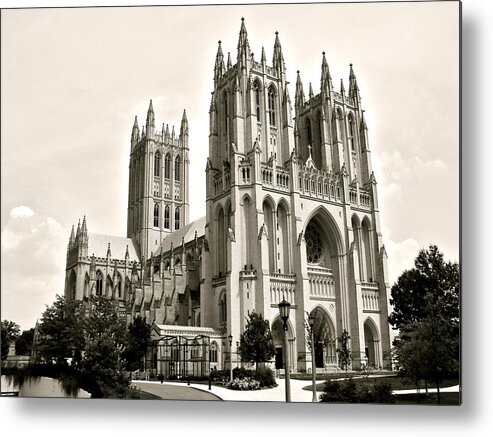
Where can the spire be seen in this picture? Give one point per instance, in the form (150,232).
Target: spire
(108,252)
(213,103)
(243,45)
(263,58)
(299,98)
(71,240)
(150,119)
(219,66)
(184,125)
(310,91)
(326,79)
(278,58)
(173,132)
(353,84)
(343,91)
(78,230)
(229,64)
(84,227)
(127,256)
(166,134)
(135,132)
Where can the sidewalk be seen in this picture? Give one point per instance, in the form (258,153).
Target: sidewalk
(276,394)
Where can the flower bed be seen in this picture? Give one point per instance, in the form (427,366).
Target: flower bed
(244,384)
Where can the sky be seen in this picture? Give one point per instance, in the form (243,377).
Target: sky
(73,80)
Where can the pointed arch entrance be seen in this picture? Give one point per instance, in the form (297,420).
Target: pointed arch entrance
(278,337)
(324,338)
(372,344)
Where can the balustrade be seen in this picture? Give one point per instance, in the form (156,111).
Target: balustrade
(282,286)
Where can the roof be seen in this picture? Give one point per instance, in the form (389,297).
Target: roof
(187,233)
(185,331)
(98,245)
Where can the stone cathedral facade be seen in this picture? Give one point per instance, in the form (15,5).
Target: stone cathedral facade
(291,213)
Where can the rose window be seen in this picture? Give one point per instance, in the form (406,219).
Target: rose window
(314,249)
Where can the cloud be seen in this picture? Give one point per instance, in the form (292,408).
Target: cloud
(401,256)
(21,211)
(33,264)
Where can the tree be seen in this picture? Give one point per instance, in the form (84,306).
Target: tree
(24,343)
(343,351)
(431,274)
(426,311)
(105,342)
(256,342)
(138,335)
(61,333)
(10,333)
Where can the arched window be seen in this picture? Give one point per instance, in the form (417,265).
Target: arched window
(119,285)
(99,283)
(177,218)
(166,166)
(166,217)
(351,133)
(256,90)
(272,107)
(157,164)
(156,215)
(223,314)
(213,352)
(308,132)
(177,168)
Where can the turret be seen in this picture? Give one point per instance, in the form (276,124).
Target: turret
(278,58)
(135,133)
(353,87)
(184,129)
(150,122)
(244,52)
(299,98)
(71,240)
(326,86)
(219,66)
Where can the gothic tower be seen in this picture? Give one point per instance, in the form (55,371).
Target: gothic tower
(158,197)
(292,211)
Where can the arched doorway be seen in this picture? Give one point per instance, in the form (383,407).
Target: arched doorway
(278,337)
(372,344)
(324,339)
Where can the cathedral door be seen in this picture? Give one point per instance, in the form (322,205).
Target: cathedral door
(319,355)
(279,358)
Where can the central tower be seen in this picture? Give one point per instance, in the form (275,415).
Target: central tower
(158,183)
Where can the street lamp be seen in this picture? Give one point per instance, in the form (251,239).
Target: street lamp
(311,322)
(237,356)
(284,307)
(230,339)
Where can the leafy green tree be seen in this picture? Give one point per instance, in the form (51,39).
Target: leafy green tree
(138,336)
(61,333)
(10,333)
(343,351)
(105,342)
(24,343)
(256,342)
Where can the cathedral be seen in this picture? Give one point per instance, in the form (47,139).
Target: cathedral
(291,214)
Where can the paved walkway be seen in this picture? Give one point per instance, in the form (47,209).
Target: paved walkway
(276,394)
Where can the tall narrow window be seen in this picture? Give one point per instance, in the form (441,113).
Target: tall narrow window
(177,218)
(309,140)
(166,166)
(119,285)
(177,169)
(156,215)
(272,107)
(223,314)
(166,217)
(99,283)
(257,100)
(157,164)
(351,133)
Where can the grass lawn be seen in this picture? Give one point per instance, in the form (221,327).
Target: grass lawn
(430,399)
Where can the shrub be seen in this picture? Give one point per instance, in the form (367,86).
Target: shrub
(349,392)
(265,376)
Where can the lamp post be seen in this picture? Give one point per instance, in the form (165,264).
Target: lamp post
(230,339)
(311,322)
(284,307)
(237,356)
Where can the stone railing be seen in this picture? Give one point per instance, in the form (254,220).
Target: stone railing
(370,296)
(282,286)
(267,178)
(320,184)
(322,285)
(244,175)
(282,179)
(222,183)
(364,200)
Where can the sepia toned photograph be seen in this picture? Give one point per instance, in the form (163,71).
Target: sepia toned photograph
(241,203)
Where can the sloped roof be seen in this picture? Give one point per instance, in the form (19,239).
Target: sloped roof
(185,331)
(98,245)
(187,233)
